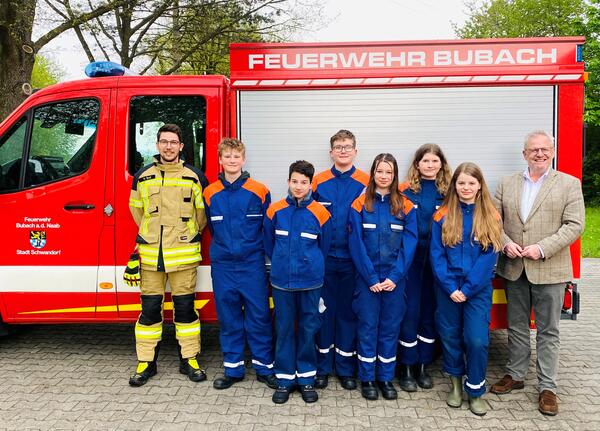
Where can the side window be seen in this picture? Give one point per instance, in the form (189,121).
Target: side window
(11,153)
(148,113)
(62,140)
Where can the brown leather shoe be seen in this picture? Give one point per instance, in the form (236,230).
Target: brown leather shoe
(506,384)
(548,404)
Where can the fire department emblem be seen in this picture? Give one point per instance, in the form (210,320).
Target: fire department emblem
(37,238)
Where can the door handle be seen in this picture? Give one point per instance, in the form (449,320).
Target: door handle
(71,207)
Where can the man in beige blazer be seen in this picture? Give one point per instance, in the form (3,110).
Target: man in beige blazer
(543,214)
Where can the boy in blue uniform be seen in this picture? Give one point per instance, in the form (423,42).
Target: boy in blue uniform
(297,236)
(235,206)
(336,189)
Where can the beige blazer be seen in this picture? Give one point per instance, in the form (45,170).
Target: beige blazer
(556,220)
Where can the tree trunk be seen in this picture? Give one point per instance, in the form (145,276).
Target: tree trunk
(16,52)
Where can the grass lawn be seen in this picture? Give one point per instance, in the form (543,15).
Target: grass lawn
(590,241)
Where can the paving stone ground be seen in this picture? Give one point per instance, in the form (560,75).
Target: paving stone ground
(75,377)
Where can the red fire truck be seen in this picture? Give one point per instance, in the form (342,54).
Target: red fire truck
(68,228)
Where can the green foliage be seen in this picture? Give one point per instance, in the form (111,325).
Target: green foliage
(590,240)
(521,18)
(45,72)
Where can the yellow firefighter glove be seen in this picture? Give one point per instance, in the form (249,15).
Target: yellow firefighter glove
(132,271)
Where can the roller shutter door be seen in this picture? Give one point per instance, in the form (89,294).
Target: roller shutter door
(485,125)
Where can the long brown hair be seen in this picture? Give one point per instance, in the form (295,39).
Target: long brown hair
(442,180)
(396,199)
(486,220)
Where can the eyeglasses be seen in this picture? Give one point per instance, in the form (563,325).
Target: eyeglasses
(165,143)
(340,148)
(543,150)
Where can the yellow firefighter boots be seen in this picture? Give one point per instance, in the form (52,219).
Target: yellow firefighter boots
(143,372)
(190,367)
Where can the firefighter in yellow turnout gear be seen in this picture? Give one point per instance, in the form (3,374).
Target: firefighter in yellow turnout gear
(166,203)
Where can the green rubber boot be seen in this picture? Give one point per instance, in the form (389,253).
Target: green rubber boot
(477,406)
(455,396)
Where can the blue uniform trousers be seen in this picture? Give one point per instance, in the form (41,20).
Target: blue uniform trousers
(297,321)
(379,319)
(417,335)
(336,340)
(464,332)
(242,302)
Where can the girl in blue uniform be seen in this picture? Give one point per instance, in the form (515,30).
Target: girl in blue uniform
(382,243)
(465,241)
(427,181)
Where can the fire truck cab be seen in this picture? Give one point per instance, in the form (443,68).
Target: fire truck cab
(68,230)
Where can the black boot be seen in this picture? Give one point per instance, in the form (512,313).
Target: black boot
(406,379)
(226,382)
(321,381)
(143,372)
(424,380)
(387,390)
(368,390)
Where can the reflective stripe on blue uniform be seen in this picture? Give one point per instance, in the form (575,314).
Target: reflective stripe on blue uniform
(235,213)
(336,340)
(382,246)
(463,327)
(297,237)
(418,334)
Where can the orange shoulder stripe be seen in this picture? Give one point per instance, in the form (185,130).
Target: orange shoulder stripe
(279,205)
(321,177)
(359,203)
(319,212)
(211,190)
(361,177)
(403,186)
(259,189)
(440,213)
(407,204)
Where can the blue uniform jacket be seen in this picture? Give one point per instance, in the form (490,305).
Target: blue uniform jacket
(235,213)
(336,191)
(297,237)
(465,266)
(382,245)
(426,202)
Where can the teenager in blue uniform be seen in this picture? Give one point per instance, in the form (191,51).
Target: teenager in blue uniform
(383,239)
(336,188)
(427,181)
(297,236)
(235,206)
(465,240)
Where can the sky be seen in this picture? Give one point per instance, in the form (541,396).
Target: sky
(348,21)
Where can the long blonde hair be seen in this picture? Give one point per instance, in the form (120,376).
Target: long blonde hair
(486,220)
(442,180)
(396,199)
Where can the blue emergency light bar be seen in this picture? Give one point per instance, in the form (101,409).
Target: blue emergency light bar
(106,68)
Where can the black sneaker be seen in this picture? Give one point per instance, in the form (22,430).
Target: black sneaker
(190,368)
(226,382)
(309,394)
(270,380)
(321,381)
(282,394)
(142,374)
